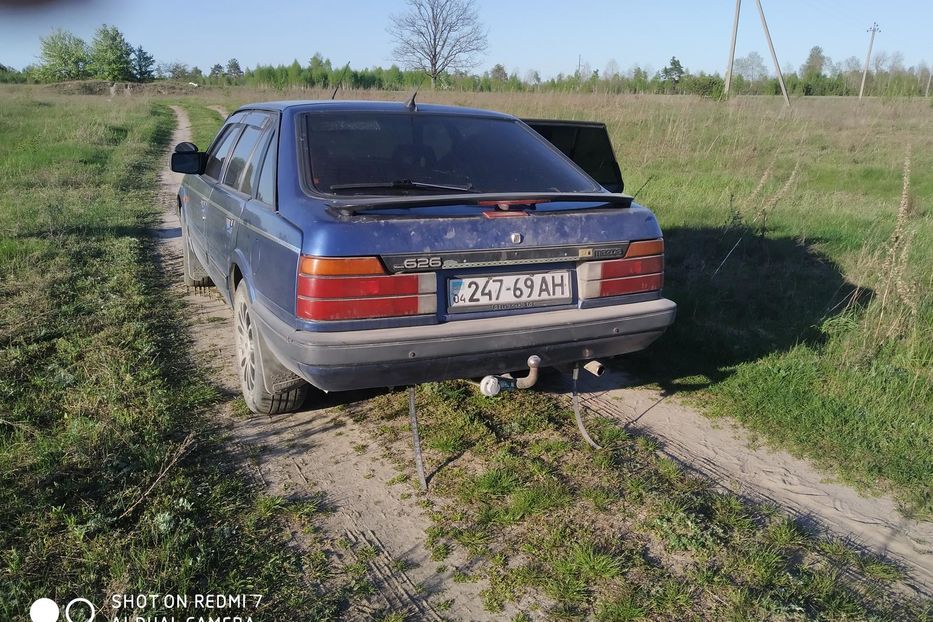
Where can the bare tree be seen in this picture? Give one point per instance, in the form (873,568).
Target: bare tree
(437,36)
(612,69)
(751,67)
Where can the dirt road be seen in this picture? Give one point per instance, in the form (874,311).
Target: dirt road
(322,451)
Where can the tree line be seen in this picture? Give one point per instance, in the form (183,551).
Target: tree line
(110,57)
(65,56)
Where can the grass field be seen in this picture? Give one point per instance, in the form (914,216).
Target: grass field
(111,478)
(804,281)
(617,534)
(804,278)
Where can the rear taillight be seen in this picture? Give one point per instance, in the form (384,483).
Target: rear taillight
(353,288)
(641,270)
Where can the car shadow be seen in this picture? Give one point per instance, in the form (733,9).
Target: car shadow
(740,296)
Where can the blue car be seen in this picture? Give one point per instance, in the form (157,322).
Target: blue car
(371,244)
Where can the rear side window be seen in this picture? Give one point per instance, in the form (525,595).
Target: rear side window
(254,166)
(218,155)
(265,192)
(240,156)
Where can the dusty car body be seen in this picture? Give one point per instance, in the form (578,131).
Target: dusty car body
(369,244)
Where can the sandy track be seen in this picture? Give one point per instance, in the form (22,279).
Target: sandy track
(323,452)
(725,453)
(221,111)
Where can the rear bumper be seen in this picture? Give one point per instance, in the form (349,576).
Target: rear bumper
(338,361)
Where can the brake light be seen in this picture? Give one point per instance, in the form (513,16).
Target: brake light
(352,288)
(507,214)
(630,285)
(642,270)
(505,205)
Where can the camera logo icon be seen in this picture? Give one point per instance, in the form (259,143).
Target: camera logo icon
(46,610)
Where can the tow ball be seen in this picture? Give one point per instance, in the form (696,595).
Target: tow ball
(491,386)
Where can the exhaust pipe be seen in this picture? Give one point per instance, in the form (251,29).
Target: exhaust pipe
(490,386)
(595,367)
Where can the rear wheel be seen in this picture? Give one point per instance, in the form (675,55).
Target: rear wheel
(251,365)
(193,272)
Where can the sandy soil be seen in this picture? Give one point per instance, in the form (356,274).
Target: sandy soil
(221,111)
(726,453)
(324,451)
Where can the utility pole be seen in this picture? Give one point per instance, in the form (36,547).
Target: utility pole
(929,79)
(874,28)
(777,67)
(735,31)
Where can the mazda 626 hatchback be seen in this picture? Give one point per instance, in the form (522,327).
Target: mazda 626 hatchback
(370,244)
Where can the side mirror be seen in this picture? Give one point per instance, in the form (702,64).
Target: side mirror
(185,147)
(192,162)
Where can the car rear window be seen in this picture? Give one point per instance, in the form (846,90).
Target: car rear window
(480,154)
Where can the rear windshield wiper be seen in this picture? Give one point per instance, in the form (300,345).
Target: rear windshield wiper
(402,184)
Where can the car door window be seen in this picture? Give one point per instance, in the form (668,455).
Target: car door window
(240,156)
(251,175)
(218,155)
(265,191)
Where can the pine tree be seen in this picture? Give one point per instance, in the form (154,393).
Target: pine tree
(233,69)
(674,71)
(143,64)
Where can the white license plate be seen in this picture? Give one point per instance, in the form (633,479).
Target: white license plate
(508,291)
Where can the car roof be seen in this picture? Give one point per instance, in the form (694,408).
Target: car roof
(347,105)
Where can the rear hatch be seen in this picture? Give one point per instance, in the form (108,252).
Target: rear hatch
(587,144)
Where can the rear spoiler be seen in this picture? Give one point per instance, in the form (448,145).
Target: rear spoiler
(587,144)
(352,206)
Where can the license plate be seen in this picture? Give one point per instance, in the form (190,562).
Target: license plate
(508,291)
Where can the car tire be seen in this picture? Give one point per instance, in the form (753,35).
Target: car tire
(193,272)
(250,364)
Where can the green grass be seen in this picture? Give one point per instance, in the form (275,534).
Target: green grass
(801,315)
(204,123)
(620,533)
(111,478)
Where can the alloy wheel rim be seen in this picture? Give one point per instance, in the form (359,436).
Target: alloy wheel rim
(246,349)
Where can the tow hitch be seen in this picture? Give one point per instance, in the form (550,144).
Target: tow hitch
(491,386)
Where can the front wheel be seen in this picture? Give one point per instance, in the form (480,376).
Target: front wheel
(250,364)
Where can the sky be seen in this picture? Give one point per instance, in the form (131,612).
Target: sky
(549,36)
